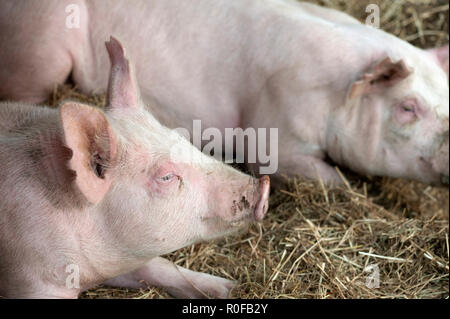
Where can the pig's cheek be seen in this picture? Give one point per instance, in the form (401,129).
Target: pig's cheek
(156,189)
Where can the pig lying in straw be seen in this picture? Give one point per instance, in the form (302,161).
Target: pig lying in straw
(102,195)
(334,88)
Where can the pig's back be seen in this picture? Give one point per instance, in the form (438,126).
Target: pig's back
(202,57)
(184,52)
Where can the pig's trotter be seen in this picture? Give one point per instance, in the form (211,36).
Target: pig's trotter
(201,285)
(311,168)
(317,169)
(178,281)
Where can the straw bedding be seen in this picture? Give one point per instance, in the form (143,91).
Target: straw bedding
(317,242)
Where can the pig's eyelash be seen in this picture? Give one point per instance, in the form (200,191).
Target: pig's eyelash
(408,107)
(168,177)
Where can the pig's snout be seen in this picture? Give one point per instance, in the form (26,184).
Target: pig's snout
(262,204)
(245,201)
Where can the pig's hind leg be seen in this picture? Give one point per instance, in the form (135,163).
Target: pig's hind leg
(35,53)
(32,74)
(179,282)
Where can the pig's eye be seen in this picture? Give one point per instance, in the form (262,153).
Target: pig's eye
(406,112)
(168,178)
(408,108)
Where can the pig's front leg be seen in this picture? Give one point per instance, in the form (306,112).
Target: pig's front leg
(309,167)
(179,282)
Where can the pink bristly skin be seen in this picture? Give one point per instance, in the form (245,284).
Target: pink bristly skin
(328,83)
(103,191)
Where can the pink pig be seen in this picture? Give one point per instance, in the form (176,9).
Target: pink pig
(102,193)
(334,88)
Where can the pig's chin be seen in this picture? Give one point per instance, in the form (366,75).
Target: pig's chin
(430,175)
(236,223)
(219,227)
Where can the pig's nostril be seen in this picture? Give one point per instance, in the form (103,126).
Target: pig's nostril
(263,202)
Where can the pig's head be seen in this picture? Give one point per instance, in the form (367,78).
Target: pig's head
(150,198)
(395,121)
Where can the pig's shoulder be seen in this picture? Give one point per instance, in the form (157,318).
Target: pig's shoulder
(18,117)
(33,155)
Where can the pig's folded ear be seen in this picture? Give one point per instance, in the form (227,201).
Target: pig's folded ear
(122,87)
(382,75)
(441,56)
(88,134)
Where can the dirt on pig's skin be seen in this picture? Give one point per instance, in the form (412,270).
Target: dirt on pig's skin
(316,242)
(240,206)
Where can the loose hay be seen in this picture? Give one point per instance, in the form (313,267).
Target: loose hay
(319,243)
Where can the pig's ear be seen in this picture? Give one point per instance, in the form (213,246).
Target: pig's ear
(441,56)
(382,75)
(89,136)
(122,88)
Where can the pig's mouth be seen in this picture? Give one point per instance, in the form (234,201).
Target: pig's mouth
(434,177)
